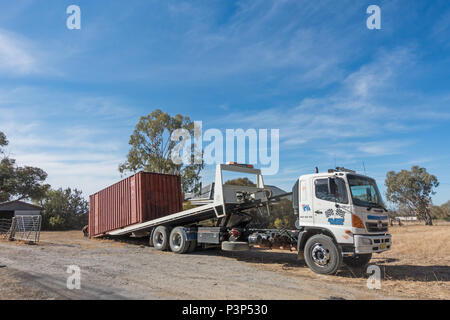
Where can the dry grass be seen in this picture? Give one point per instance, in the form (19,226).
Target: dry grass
(417,266)
(421,244)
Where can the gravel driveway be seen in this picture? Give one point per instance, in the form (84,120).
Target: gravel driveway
(126,270)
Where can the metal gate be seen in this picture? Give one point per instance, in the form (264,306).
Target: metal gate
(5,227)
(25,228)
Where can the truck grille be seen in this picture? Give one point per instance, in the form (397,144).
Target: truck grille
(375,227)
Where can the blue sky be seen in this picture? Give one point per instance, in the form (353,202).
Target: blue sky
(339,92)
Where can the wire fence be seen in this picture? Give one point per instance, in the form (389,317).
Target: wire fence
(25,228)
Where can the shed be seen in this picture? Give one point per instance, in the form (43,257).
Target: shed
(18,208)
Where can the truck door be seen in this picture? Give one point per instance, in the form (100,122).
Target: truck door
(324,203)
(305,207)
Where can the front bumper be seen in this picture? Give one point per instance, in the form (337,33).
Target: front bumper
(372,244)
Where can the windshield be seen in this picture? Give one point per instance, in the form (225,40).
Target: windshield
(364,191)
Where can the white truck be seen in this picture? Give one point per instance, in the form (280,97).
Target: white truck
(340,218)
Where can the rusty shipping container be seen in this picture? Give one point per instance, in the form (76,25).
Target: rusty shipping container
(142,197)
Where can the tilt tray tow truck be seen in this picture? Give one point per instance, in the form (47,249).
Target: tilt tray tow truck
(340,219)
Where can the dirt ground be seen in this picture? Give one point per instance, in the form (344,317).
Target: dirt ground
(417,267)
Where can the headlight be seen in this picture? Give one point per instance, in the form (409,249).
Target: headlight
(366,241)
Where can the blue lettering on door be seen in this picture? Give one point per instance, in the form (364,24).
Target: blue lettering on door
(336,221)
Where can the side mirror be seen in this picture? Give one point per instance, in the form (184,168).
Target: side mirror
(332,187)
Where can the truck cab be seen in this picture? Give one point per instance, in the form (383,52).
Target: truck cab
(341,216)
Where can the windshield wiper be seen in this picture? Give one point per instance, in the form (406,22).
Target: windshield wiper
(376,205)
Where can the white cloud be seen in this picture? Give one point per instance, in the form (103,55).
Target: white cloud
(70,160)
(17,55)
(88,172)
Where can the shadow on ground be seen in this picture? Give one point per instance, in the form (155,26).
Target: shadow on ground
(389,272)
(286,259)
(290,260)
(433,273)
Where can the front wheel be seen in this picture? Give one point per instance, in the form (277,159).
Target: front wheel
(322,255)
(358,261)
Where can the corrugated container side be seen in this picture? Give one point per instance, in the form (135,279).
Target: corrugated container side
(160,194)
(139,198)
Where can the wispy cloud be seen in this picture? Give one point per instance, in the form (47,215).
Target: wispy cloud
(256,37)
(354,150)
(17,54)
(361,119)
(70,136)
(352,110)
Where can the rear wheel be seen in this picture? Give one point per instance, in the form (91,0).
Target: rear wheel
(161,238)
(322,255)
(178,242)
(358,261)
(150,240)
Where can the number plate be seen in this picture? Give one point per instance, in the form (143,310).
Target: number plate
(383,246)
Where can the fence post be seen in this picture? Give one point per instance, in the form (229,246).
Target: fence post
(12,231)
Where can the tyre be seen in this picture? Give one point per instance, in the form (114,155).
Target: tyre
(178,242)
(235,246)
(358,261)
(161,238)
(150,240)
(322,255)
(192,246)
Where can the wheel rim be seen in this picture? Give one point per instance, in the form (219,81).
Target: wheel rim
(159,238)
(176,241)
(320,255)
